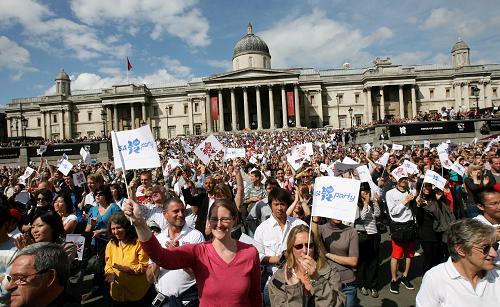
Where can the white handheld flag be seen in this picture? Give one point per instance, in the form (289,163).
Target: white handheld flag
(85,155)
(171,165)
(65,167)
(303,150)
(458,168)
(399,172)
(135,149)
(294,161)
(231,153)
(435,179)
(383,160)
(427,144)
(79,179)
(364,173)
(79,242)
(336,197)
(410,167)
(367,147)
(397,147)
(208,149)
(40,151)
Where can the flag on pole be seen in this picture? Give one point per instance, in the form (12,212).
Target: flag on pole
(336,197)
(435,179)
(129,66)
(135,149)
(208,149)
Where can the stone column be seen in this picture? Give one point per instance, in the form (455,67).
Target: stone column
(233,111)
(143,105)
(413,101)
(221,112)
(297,104)
(68,127)
(43,132)
(466,95)
(319,101)
(49,130)
(61,125)
(150,113)
(208,112)
(489,94)
(190,115)
(481,94)
(9,131)
(401,103)
(132,116)
(283,106)
(382,104)
(370,105)
(115,118)
(271,107)
(307,103)
(245,107)
(458,98)
(259,107)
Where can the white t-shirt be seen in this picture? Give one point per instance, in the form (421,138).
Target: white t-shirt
(68,219)
(443,286)
(175,282)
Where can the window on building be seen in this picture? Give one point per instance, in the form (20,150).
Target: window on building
(358,120)
(196,107)
(237,64)
(431,93)
(89,116)
(197,129)
(340,98)
(170,110)
(495,92)
(76,117)
(171,132)
(39,122)
(250,61)
(342,121)
(186,130)
(78,134)
(54,118)
(356,98)
(90,133)
(447,92)
(155,111)
(185,109)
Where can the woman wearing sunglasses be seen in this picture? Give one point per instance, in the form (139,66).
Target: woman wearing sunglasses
(306,278)
(469,277)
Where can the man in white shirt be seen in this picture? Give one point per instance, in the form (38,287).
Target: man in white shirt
(469,277)
(146,182)
(488,201)
(179,285)
(398,202)
(272,234)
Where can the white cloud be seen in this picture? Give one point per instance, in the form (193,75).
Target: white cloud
(410,58)
(88,81)
(457,21)
(226,65)
(57,35)
(176,67)
(316,40)
(179,18)
(14,57)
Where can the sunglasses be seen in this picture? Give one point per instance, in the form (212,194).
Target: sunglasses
(301,246)
(41,199)
(486,249)
(99,194)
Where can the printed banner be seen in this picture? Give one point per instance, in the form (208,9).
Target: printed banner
(397,147)
(65,167)
(290,104)
(79,241)
(135,149)
(79,179)
(85,156)
(364,173)
(41,150)
(231,153)
(336,197)
(208,149)
(214,107)
(303,150)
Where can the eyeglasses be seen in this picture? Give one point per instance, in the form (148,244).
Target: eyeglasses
(99,194)
(301,246)
(23,279)
(40,199)
(223,220)
(486,248)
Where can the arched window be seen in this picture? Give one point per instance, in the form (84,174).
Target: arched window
(250,62)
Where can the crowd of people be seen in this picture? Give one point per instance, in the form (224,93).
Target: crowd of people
(239,232)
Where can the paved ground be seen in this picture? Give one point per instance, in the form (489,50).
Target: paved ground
(405,298)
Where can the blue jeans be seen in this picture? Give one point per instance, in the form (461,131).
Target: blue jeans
(351,293)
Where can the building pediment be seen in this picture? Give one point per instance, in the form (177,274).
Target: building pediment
(250,74)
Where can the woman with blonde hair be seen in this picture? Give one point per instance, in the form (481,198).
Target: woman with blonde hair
(475,180)
(306,278)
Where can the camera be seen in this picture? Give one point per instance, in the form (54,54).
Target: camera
(158,301)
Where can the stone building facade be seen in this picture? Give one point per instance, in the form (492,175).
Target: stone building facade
(255,96)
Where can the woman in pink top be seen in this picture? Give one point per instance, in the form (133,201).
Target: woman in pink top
(227,271)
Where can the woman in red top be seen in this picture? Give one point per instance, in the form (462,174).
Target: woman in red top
(227,271)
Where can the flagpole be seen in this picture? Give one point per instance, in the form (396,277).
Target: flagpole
(127,188)
(309,236)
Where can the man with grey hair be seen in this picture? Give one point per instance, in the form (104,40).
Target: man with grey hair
(469,277)
(38,277)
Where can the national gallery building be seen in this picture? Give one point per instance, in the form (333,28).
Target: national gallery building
(254,96)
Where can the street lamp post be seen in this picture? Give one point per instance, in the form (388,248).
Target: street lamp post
(338,110)
(167,110)
(24,126)
(377,99)
(350,114)
(104,121)
(475,93)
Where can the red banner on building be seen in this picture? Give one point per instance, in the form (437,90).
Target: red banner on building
(290,103)
(214,103)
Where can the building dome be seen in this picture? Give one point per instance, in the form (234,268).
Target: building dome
(250,43)
(62,75)
(460,45)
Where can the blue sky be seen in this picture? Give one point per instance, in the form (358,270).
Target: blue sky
(174,40)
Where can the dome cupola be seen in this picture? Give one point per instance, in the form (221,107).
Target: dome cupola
(251,51)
